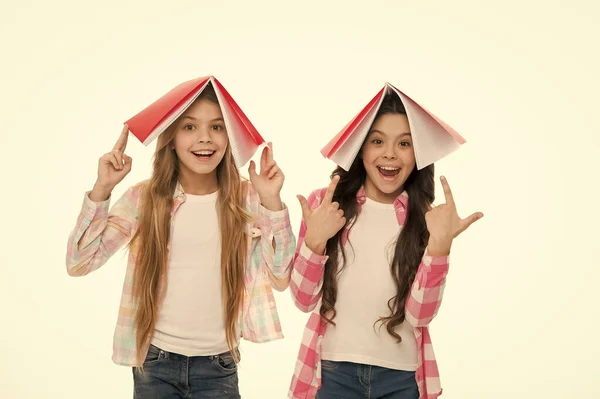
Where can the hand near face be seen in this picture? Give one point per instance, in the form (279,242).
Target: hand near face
(323,222)
(269,181)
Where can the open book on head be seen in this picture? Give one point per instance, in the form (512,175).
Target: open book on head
(153,120)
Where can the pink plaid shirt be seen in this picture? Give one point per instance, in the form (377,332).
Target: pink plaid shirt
(99,233)
(421,307)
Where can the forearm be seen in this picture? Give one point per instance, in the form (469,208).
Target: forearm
(427,290)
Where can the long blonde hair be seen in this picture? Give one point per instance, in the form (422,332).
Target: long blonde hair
(150,242)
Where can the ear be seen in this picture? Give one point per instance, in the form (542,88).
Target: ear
(172,145)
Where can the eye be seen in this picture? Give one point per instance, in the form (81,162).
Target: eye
(377,141)
(405,144)
(217,127)
(188,126)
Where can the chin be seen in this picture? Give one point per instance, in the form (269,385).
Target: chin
(205,171)
(390,188)
(200,169)
(387,190)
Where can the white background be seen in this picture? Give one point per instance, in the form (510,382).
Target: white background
(518,79)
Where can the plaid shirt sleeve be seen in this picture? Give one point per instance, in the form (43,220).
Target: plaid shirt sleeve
(427,290)
(277,231)
(307,273)
(99,233)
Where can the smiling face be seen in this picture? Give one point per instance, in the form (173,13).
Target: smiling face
(388,157)
(200,142)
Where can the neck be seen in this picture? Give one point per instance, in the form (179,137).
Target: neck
(199,184)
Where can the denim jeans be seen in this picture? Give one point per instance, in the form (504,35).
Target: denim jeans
(345,380)
(170,375)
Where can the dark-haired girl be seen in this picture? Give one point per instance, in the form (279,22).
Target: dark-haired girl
(372,259)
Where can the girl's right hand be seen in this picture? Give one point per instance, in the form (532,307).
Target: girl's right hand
(323,222)
(112,168)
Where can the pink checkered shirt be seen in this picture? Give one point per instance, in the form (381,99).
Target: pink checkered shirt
(421,307)
(99,233)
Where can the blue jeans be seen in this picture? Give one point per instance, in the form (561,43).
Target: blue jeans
(345,380)
(169,375)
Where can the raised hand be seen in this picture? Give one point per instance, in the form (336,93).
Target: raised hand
(323,222)
(269,181)
(444,224)
(112,168)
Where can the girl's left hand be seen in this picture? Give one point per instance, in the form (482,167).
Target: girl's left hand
(444,224)
(269,181)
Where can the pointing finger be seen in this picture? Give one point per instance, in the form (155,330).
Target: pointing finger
(331,189)
(270,158)
(122,141)
(447,192)
(264,158)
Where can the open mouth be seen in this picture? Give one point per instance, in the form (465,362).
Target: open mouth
(388,172)
(203,155)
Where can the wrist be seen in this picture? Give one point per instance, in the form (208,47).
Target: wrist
(273,204)
(100,192)
(318,247)
(439,246)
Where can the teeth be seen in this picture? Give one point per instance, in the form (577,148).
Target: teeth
(388,168)
(204,152)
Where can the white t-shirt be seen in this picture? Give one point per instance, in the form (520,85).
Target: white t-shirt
(364,288)
(191,320)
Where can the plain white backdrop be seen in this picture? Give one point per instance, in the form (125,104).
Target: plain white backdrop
(518,79)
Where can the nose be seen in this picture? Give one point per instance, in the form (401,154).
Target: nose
(204,135)
(389,152)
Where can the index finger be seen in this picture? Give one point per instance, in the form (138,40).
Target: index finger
(270,156)
(447,192)
(122,141)
(331,189)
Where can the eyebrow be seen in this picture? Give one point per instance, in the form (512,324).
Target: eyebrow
(382,133)
(195,119)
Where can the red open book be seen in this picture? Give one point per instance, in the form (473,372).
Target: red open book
(432,138)
(153,120)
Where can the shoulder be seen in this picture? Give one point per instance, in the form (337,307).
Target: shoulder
(139,186)
(134,193)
